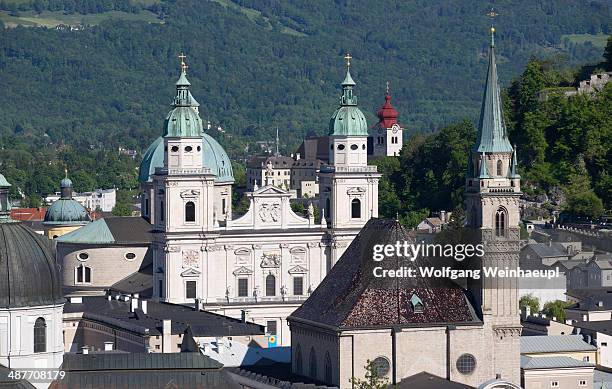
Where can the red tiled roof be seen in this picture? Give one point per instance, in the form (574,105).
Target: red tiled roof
(28,214)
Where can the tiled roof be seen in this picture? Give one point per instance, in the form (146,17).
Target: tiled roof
(28,214)
(9,383)
(529,363)
(544,250)
(603,326)
(351,296)
(555,343)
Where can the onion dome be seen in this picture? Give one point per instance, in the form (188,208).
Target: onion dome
(66,210)
(30,276)
(387,115)
(348,120)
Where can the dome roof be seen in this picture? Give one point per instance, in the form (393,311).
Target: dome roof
(387,114)
(30,276)
(214,157)
(348,121)
(183,122)
(66,183)
(66,211)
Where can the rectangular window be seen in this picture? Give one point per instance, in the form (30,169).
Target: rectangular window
(298,286)
(271,327)
(585,359)
(87,274)
(146,207)
(243,287)
(79,275)
(582,383)
(190,289)
(554,384)
(223,206)
(161,289)
(604,344)
(161,211)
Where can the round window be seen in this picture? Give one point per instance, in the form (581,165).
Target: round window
(199,148)
(83,256)
(130,256)
(363,147)
(174,148)
(382,366)
(340,147)
(354,147)
(466,364)
(188,148)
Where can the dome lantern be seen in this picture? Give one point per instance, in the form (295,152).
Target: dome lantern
(348,120)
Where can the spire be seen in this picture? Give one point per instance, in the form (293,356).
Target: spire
(483,167)
(183,95)
(5,203)
(387,115)
(514,166)
(347,85)
(66,186)
(492,134)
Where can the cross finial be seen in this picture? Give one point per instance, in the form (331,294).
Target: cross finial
(183,64)
(66,172)
(387,88)
(492,15)
(348,60)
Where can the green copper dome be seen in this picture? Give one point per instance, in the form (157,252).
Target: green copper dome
(214,157)
(183,122)
(348,120)
(66,210)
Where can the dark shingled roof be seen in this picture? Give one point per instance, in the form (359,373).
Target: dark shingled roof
(202,323)
(28,273)
(425,380)
(143,370)
(350,296)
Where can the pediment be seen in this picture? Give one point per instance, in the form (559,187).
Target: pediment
(190,194)
(298,270)
(242,251)
(298,250)
(356,190)
(269,189)
(190,273)
(242,270)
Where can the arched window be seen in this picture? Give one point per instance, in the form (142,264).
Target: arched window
(82,274)
(189,211)
(356,209)
(500,167)
(40,335)
(270,285)
(298,360)
(500,222)
(328,368)
(313,364)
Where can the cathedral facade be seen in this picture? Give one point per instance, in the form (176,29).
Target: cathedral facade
(262,265)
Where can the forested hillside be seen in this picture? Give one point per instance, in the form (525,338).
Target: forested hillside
(72,97)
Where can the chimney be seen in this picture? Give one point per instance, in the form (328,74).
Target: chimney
(76,300)
(85,350)
(443,216)
(244,314)
(220,346)
(167,336)
(109,297)
(143,306)
(600,304)
(196,304)
(136,295)
(125,298)
(298,157)
(108,346)
(527,311)
(133,304)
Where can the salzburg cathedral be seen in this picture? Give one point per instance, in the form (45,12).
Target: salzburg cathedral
(189,275)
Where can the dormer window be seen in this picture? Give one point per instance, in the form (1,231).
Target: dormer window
(416,304)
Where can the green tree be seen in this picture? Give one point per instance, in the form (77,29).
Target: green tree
(372,380)
(585,204)
(528,300)
(122,209)
(556,309)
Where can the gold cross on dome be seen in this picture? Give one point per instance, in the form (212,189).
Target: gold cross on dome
(348,60)
(183,64)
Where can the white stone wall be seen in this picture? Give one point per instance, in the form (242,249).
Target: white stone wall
(17,338)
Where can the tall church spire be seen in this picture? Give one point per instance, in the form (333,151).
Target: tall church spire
(348,98)
(183,96)
(492,134)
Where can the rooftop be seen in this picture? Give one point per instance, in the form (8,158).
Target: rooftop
(203,323)
(530,363)
(603,326)
(553,344)
(425,380)
(112,230)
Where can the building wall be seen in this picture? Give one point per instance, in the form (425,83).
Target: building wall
(585,356)
(108,264)
(579,315)
(565,378)
(17,338)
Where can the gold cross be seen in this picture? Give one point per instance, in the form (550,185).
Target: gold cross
(183,64)
(348,60)
(492,14)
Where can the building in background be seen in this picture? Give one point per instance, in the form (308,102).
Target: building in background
(103,200)
(387,135)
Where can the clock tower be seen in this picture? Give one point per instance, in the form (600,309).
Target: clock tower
(386,138)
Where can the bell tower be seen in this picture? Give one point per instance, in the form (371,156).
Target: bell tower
(386,139)
(492,195)
(348,185)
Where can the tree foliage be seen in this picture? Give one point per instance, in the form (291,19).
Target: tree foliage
(530,301)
